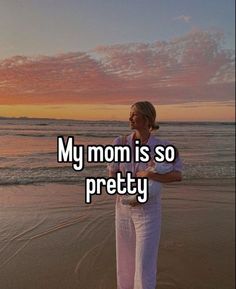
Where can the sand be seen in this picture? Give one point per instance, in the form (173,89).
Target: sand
(50,239)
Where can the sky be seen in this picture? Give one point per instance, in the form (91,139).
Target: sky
(93,59)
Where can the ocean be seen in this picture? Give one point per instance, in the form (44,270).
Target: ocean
(28,148)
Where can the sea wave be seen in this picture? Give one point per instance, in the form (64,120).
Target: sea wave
(65,174)
(207,149)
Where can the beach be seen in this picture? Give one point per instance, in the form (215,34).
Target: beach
(51,239)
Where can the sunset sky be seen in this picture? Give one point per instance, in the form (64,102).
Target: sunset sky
(92,59)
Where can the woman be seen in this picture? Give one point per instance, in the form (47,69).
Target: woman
(138,225)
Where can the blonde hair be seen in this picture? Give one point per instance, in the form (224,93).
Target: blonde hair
(147,109)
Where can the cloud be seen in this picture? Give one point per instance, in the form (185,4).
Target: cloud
(183,18)
(191,68)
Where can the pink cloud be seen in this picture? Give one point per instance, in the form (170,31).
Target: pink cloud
(192,68)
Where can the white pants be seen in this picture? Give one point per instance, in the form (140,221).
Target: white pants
(137,242)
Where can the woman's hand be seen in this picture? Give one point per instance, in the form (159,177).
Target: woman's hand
(134,203)
(143,174)
(174,176)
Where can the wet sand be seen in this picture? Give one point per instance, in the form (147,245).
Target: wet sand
(50,239)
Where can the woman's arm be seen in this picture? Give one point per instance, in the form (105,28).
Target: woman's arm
(174,176)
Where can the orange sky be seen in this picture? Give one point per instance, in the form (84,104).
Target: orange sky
(203,112)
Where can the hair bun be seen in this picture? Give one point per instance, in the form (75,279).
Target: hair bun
(156,126)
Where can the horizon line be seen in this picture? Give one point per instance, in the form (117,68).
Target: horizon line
(105,120)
